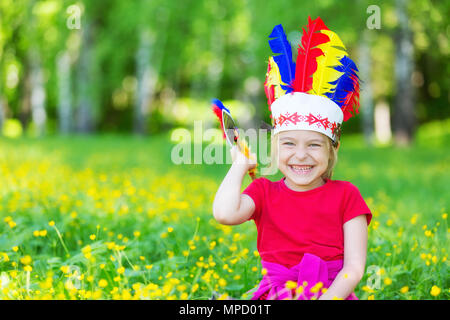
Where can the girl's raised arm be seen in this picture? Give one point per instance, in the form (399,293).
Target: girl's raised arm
(230,207)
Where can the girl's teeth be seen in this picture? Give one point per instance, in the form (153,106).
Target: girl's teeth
(301,169)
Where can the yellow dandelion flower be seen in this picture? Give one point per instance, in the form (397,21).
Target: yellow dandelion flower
(102,283)
(36,233)
(137,234)
(181,287)
(126,295)
(26,260)
(28,268)
(184,296)
(96,294)
(121,270)
(222,282)
(444,216)
(43,233)
(64,269)
(435,291)
(290,284)
(263,271)
(15,248)
(169,229)
(387,281)
(404,289)
(92,237)
(316,287)
(371,297)
(51,223)
(367,289)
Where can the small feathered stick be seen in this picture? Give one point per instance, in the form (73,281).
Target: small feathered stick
(218,107)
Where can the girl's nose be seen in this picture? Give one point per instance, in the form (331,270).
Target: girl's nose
(301,153)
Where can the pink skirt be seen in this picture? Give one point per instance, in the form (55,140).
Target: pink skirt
(311,270)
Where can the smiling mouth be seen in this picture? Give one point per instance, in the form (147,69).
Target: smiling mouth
(301,169)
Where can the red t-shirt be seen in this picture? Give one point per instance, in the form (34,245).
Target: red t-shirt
(291,223)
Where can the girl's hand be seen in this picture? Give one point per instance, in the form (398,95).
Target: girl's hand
(240,160)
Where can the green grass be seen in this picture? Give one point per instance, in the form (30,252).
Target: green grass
(130,224)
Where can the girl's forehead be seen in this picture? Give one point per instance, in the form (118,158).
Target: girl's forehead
(301,134)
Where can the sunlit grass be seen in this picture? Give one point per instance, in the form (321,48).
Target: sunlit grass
(111,218)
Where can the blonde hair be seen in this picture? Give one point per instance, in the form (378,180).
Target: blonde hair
(332,158)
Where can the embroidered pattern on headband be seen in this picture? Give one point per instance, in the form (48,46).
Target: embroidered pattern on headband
(310,119)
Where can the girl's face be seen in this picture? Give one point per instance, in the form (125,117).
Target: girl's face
(303,158)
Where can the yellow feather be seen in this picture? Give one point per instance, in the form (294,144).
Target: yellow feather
(274,79)
(333,51)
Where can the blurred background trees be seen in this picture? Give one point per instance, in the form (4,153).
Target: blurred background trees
(146,66)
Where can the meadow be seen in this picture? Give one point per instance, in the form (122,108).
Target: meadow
(110,217)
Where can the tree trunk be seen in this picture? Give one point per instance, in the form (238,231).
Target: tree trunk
(365,72)
(38,95)
(84,119)
(404,118)
(2,104)
(64,93)
(146,77)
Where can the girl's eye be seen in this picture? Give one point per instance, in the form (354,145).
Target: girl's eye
(315,145)
(288,144)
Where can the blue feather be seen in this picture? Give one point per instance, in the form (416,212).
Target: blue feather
(219,104)
(280,46)
(345,83)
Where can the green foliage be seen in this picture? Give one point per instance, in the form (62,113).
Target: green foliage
(201,50)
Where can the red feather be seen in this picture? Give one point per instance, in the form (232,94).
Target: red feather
(351,101)
(306,63)
(270,90)
(218,113)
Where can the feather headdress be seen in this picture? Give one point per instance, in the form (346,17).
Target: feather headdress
(319,90)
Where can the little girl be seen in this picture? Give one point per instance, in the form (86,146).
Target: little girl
(312,231)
